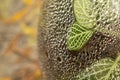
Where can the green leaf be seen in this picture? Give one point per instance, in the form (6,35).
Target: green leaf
(84,13)
(92,15)
(78,36)
(105,69)
(82,29)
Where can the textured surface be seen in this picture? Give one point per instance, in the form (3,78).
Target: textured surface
(59,63)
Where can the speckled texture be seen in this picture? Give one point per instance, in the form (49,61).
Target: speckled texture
(57,61)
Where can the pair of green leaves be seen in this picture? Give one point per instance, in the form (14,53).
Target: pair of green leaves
(93,15)
(83,28)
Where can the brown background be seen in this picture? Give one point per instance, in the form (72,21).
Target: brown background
(18,31)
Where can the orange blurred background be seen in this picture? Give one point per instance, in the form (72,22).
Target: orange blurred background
(19,20)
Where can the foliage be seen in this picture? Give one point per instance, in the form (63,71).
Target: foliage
(85,15)
(79,36)
(82,29)
(96,16)
(93,15)
(105,69)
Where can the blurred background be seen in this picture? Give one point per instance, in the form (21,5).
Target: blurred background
(19,20)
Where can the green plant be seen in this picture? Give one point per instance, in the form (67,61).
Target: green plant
(105,69)
(79,36)
(96,16)
(83,28)
(93,15)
